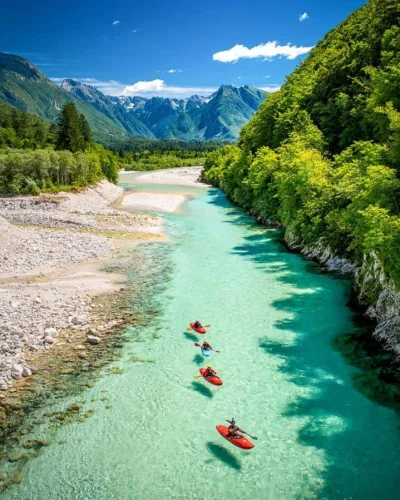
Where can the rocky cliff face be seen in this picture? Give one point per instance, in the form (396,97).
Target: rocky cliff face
(381,296)
(373,289)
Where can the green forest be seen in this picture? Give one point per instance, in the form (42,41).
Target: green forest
(321,157)
(39,157)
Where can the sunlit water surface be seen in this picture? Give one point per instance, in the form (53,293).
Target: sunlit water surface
(274,322)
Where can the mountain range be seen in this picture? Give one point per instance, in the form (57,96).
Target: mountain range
(219,116)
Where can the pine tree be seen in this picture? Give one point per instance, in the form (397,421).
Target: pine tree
(85,131)
(69,134)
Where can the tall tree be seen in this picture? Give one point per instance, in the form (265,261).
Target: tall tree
(85,130)
(69,134)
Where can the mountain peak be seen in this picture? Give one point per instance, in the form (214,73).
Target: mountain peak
(20,65)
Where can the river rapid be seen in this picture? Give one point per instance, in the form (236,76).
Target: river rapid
(275,320)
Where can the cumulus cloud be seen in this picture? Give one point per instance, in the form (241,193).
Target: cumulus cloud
(160,88)
(149,88)
(174,71)
(303,17)
(115,23)
(267,51)
(134,31)
(271,88)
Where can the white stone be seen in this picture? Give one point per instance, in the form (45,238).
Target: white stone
(16,371)
(51,332)
(92,339)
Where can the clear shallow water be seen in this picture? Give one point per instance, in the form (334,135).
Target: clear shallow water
(274,322)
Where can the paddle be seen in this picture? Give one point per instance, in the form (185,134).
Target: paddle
(199,345)
(244,432)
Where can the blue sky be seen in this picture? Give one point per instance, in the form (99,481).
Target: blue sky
(169,48)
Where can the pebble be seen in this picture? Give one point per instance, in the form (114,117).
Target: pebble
(32,314)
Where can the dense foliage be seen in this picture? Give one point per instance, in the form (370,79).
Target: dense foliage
(30,164)
(73,132)
(36,156)
(322,156)
(181,149)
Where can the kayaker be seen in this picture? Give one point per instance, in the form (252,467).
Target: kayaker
(207,346)
(210,372)
(233,430)
(197,324)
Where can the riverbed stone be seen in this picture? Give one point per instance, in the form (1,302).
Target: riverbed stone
(92,339)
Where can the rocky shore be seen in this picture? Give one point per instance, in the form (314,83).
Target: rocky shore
(374,291)
(51,270)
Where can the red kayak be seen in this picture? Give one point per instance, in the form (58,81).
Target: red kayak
(198,330)
(241,442)
(212,380)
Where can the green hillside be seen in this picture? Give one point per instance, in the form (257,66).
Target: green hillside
(321,156)
(23,86)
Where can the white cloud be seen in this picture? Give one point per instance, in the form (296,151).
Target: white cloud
(239,77)
(267,50)
(174,71)
(160,88)
(134,31)
(271,88)
(115,23)
(143,88)
(303,17)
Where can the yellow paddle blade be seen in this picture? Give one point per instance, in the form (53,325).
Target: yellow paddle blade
(198,376)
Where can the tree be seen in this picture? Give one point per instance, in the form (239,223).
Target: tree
(85,130)
(69,134)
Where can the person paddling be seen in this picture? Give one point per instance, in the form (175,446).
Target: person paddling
(197,324)
(210,372)
(233,430)
(206,345)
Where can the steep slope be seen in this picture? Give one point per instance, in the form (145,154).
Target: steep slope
(338,83)
(113,110)
(227,112)
(23,86)
(321,158)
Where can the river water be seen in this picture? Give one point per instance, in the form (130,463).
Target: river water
(275,319)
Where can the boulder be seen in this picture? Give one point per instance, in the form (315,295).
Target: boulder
(51,332)
(92,339)
(26,372)
(16,371)
(74,320)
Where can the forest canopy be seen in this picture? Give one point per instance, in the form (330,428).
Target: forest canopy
(37,157)
(321,157)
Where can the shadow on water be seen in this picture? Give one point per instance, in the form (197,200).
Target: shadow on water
(199,360)
(224,455)
(307,360)
(190,336)
(202,389)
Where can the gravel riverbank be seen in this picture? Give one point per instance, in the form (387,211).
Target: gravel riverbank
(49,271)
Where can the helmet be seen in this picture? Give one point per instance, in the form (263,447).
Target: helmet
(205,341)
(209,366)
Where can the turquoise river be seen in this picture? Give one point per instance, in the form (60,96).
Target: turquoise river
(274,318)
